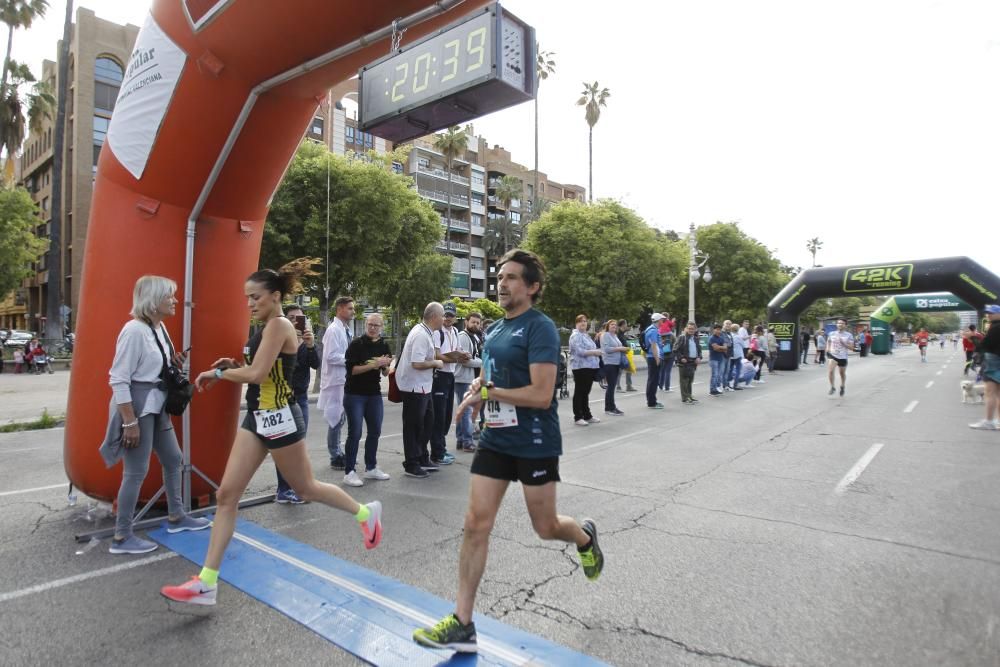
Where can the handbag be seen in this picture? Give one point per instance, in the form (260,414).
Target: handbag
(172,379)
(394,395)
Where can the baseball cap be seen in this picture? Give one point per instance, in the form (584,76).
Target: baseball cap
(449,309)
(992,309)
(656,317)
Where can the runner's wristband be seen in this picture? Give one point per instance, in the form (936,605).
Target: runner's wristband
(131,424)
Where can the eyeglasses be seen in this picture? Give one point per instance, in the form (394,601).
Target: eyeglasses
(449,314)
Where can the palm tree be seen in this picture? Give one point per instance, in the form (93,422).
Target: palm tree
(54,298)
(593,99)
(544,65)
(18,14)
(508,189)
(451,144)
(40,102)
(813,245)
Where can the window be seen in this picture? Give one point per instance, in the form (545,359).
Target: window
(349,134)
(423,163)
(107,79)
(397,167)
(101,124)
(45,204)
(477,178)
(477,220)
(477,199)
(515,217)
(317,127)
(369,140)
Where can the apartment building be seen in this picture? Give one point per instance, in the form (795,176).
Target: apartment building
(98,53)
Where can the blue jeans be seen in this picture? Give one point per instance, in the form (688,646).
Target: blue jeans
(734,372)
(718,367)
(333,439)
(665,368)
(303,402)
(463,430)
(368,409)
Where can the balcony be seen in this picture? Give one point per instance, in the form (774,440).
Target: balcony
(441,197)
(459,265)
(441,173)
(461,225)
(454,246)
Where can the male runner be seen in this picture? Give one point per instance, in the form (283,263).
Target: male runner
(521,442)
(838,346)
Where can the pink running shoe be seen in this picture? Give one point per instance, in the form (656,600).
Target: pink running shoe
(372,528)
(195,591)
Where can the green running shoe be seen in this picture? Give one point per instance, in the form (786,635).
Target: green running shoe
(448,633)
(592,559)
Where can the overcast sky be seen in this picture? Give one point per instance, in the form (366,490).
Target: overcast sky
(872,124)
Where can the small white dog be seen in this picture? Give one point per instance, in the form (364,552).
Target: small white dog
(972,392)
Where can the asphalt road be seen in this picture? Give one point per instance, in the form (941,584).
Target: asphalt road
(742,530)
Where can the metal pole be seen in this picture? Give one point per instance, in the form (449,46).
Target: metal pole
(692,272)
(366,40)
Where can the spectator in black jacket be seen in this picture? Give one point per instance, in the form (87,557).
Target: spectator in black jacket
(687,352)
(308,358)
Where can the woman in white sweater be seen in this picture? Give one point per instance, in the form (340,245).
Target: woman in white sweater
(138,414)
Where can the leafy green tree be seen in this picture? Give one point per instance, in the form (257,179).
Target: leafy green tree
(378,225)
(593,98)
(813,245)
(17,14)
(745,275)
(19,246)
(603,260)
(503,234)
(488,309)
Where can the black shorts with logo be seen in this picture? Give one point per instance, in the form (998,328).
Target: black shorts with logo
(250,424)
(530,472)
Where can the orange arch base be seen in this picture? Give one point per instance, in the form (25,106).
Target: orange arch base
(194,66)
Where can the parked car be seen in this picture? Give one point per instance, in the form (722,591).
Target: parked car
(19,338)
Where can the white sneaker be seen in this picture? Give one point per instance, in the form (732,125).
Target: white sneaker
(984,425)
(582,422)
(352,479)
(375,473)
(593,420)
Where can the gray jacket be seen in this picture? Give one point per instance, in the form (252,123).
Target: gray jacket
(112,450)
(466,372)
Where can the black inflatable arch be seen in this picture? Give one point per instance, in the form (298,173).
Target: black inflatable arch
(959,275)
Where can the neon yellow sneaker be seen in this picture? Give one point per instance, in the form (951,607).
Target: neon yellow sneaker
(449,633)
(593,558)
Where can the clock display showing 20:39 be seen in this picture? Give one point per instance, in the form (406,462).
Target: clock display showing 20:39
(430,68)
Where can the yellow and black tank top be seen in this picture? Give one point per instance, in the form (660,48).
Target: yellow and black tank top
(276,390)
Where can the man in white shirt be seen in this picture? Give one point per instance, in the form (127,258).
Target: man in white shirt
(448,351)
(334,376)
(838,346)
(415,380)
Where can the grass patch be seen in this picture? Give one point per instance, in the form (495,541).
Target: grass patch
(43,422)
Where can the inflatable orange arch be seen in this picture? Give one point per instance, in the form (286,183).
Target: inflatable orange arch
(216,98)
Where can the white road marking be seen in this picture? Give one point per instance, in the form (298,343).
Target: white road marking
(58,583)
(497,649)
(14,451)
(64,485)
(621,394)
(859,467)
(610,440)
(909,408)
(939,373)
(929,384)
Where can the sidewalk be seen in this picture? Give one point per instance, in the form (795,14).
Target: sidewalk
(23,397)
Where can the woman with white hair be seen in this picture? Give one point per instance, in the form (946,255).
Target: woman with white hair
(138,422)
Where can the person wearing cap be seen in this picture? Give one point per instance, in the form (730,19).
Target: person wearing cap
(447,349)
(718,360)
(654,357)
(991,371)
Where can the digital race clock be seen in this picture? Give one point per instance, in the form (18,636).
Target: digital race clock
(483,63)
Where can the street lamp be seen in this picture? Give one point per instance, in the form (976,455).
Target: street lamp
(698,260)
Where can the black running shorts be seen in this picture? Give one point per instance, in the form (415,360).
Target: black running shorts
(250,424)
(530,472)
(840,362)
